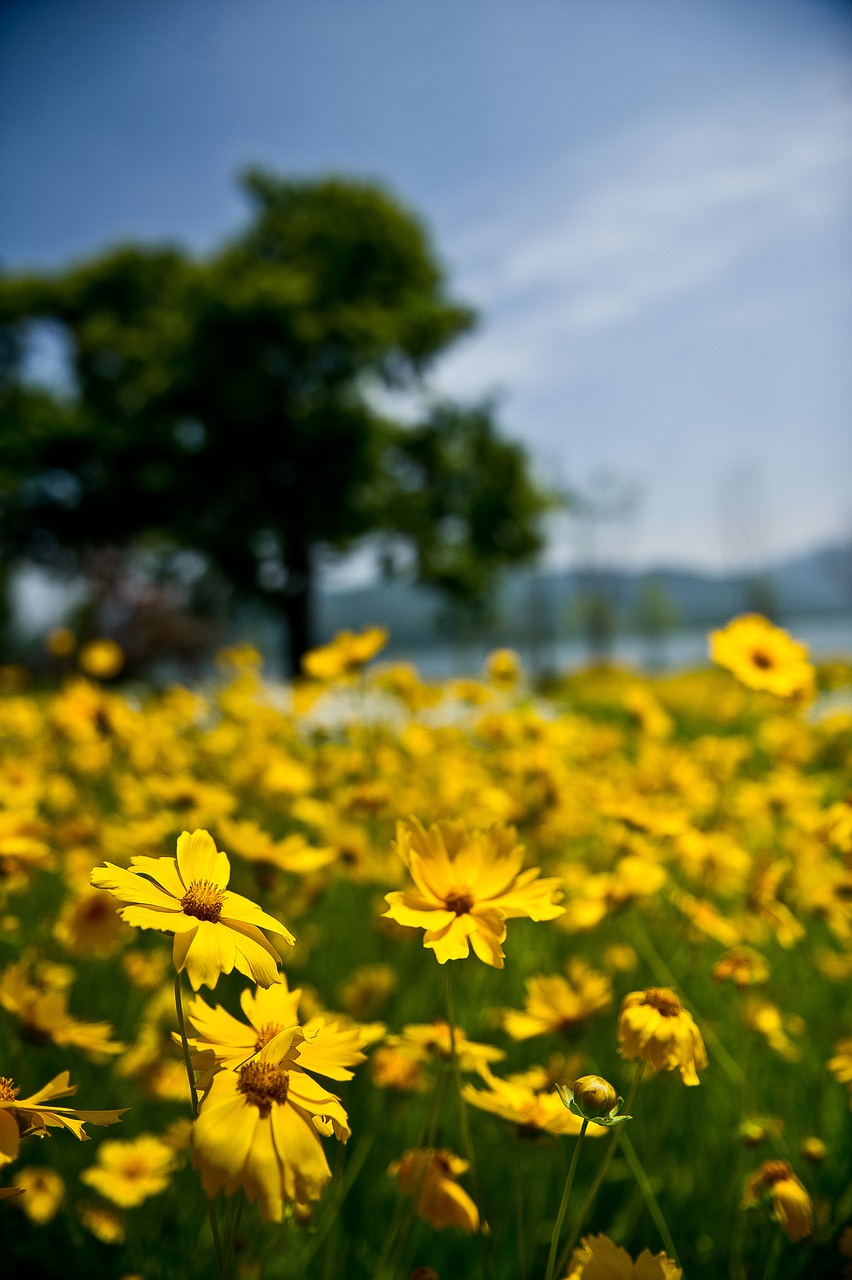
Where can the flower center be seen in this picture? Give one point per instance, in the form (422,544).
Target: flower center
(203,900)
(664,1001)
(266,1033)
(761,659)
(8,1092)
(264,1083)
(460,901)
(776,1171)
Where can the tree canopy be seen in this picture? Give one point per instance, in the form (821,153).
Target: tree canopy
(226,404)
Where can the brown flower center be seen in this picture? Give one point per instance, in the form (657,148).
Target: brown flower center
(762,659)
(264,1083)
(203,900)
(8,1092)
(775,1171)
(266,1033)
(459,901)
(664,1001)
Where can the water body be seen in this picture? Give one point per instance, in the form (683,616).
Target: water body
(826,637)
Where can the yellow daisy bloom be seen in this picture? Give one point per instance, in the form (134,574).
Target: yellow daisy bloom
(423,1040)
(553,1003)
(776,1182)
(258,1129)
(763,656)
(44,1015)
(840,1065)
(466,886)
(36,1114)
(127,1173)
(598,1258)
(43,1192)
(346,654)
(215,930)
(328,1049)
(430,1177)
(655,1027)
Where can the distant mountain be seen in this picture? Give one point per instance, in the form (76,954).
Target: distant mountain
(818,583)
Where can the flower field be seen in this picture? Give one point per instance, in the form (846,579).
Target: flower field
(375,978)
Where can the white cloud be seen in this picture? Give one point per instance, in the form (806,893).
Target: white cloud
(667,210)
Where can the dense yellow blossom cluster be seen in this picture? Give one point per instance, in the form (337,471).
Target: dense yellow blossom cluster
(628,885)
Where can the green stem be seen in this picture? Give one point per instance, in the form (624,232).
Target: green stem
(520,1213)
(193,1093)
(563,1208)
(187,1057)
(231,1238)
(398,1230)
(464,1119)
(591,1195)
(651,1201)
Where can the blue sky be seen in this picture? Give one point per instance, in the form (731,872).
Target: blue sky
(650,202)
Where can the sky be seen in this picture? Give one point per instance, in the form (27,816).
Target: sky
(649,202)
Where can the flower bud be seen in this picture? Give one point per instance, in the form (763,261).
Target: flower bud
(594,1096)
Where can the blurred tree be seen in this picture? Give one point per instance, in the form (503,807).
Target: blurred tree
(225,405)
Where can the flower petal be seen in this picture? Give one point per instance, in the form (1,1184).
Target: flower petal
(198,859)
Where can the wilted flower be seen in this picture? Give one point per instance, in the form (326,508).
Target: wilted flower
(776,1183)
(655,1028)
(430,1177)
(36,1114)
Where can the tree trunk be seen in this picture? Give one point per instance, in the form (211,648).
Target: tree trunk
(298,608)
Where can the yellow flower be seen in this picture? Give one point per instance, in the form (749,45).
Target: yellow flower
(399,1069)
(467,885)
(767,1019)
(554,1004)
(105,1223)
(776,1182)
(102,658)
(127,1173)
(763,656)
(531,1110)
(840,1065)
(60,642)
(258,1129)
(345,655)
(743,966)
(44,1191)
(43,1011)
(598,1258)
(89,925)
(368,990)
(215,930)
(327,1048)
(432,1039)
(655,1027)
(430,1177)
(503,667)
(35,1115)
